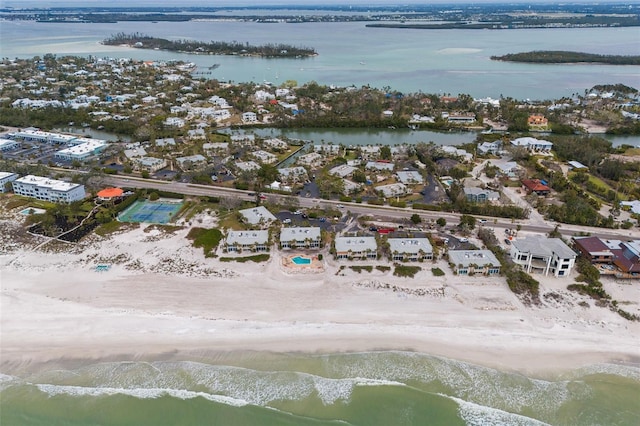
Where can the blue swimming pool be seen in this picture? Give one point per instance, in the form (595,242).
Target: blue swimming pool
(299,260)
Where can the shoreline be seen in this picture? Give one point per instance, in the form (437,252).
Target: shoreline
(161,298)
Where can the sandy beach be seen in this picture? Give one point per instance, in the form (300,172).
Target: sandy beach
(163,298)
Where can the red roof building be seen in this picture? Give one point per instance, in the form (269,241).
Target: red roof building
(534,185)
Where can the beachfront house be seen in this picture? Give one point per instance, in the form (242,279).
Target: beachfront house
(356,248)
(239,241)
(300,237)
(410,249)
(469,262)
(43,188)
(5,178)
(543,255)
(595,249)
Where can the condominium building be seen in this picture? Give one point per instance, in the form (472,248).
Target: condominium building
(5,178)
(300,237)
(46,189)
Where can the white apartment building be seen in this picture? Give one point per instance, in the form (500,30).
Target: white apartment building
(300,237)
(46,189)
(5,178)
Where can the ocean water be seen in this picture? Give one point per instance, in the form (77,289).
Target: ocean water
(431,61)
(372,388)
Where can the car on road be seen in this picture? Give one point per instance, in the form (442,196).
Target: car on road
(263,197)
(483,221)
(341,206)
(251,194)
(323,219)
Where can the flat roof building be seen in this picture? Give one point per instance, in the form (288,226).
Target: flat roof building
(5,178)
(46,189)
(258,215)
(300,237)
(237,241)
(356,248)
(466,262)
(82,151)
(412,249)
(8,144)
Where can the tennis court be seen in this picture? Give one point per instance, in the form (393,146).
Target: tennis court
(150,212)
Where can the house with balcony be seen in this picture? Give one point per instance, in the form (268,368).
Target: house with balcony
(300,238)
(356,248)
(410,249)
(543,255)
(469,262)
(594,249)
(239,241)
(627,259)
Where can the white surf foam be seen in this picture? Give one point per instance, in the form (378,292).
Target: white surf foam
(142,393)
(480,415)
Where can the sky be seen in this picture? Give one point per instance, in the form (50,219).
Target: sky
(218,3)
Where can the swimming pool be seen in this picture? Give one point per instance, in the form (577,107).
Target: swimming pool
(32,210)
(299,260)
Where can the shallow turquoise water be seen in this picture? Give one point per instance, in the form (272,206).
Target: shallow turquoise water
(299,260)
(372,388)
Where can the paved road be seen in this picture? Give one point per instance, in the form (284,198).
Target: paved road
(364,209)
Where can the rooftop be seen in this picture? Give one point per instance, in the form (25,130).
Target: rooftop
(300,233)
(473,257)
(543,246)
(410,245)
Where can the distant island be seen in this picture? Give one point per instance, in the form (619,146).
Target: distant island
(142,41)
(563,57)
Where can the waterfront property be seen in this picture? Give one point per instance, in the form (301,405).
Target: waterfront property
(612,257)
(468,262)
(356,248)
(410,249)
(257,215)
(83,151)
(43,188)
(300,237)
(5,178)
(533,145)
(543,255)
(238,241)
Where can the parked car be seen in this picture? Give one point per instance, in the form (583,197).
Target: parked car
(297,212)
(286,220)
(483,221)
(341,206)
(507,241)
(464,240)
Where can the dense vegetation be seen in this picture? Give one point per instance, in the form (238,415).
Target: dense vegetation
(212,48)
(208,239)
(566,57)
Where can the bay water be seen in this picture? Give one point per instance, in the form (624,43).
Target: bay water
(349,53)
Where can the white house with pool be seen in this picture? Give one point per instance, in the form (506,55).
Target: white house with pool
(300,237)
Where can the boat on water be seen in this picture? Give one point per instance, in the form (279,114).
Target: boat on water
(214,66)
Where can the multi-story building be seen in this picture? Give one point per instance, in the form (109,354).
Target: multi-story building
(467,262)
(410,249)
(543,255)
(356,248)
(46,189)
(238,241)
(5,178)
(300,237)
